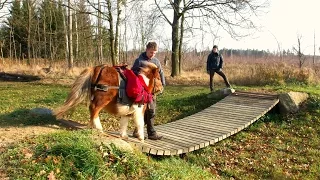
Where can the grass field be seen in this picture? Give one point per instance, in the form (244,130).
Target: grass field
(275,147)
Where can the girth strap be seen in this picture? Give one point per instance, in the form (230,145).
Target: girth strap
(102,87)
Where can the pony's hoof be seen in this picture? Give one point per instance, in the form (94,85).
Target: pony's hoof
(141,139)
(124,137)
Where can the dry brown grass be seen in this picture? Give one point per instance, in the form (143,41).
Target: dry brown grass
(239,70)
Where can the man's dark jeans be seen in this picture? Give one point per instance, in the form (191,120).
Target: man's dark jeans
(149,117)
(220,72)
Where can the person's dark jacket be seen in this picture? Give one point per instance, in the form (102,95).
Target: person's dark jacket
(214,61)
(143,57)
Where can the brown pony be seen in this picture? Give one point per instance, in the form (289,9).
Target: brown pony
(107,98)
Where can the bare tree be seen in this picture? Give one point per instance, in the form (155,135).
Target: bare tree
(114,36)
(1,50)
(226,13)
(100,47)
(299,52)
(70,56)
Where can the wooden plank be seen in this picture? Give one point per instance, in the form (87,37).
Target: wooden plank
(221,125)
(172,137)
(223,120)
(199,127)
(215,130)
(247,105)
(241,107)
(256,95)
(201,133)
(162,145)
(246,98)
(217,127)
(249,101)
(211,116)
(218,110)
(196,136)
(153,151)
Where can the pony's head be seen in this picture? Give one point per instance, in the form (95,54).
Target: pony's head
(151,71)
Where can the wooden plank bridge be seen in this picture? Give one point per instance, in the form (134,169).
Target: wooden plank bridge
(215,123)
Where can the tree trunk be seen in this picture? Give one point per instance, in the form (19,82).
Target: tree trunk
(10,43)
(100,49)
(50,37)
(70,57)
(1,51)
(111,33)
(66,37)
(77,38)
(116,41)
(29,33)
(180,43)
(175,40)
(45,37)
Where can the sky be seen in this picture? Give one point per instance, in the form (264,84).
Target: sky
(283,22)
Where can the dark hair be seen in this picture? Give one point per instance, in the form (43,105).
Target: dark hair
(152,45)
(215,46)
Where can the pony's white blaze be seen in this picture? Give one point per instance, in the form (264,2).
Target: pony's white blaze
(146,80)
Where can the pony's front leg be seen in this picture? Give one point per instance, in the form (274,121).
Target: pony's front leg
(94,118)
(138,117)
(123,127)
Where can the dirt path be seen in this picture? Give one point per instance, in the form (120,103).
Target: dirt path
(9,135)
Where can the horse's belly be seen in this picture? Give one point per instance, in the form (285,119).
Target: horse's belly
(124,110)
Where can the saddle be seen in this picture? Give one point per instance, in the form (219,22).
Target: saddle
(134,85)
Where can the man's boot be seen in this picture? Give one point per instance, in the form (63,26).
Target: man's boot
(149,120)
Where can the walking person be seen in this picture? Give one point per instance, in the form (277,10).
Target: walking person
(215,65)
(149,115)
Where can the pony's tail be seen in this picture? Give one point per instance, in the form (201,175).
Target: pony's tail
(81,89)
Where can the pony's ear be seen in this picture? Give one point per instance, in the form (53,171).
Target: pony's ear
(148,65)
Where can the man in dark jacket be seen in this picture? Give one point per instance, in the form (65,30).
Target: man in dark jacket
(149,115)
(214,65)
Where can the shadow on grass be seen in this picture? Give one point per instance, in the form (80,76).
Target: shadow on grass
(190,105)
(26,117)
(18,77)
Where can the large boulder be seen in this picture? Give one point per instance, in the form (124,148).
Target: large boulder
(107,140)
(291,101)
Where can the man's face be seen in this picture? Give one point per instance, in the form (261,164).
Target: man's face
(151,53)
(215,50)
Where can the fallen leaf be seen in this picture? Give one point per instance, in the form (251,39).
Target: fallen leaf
(51,176)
